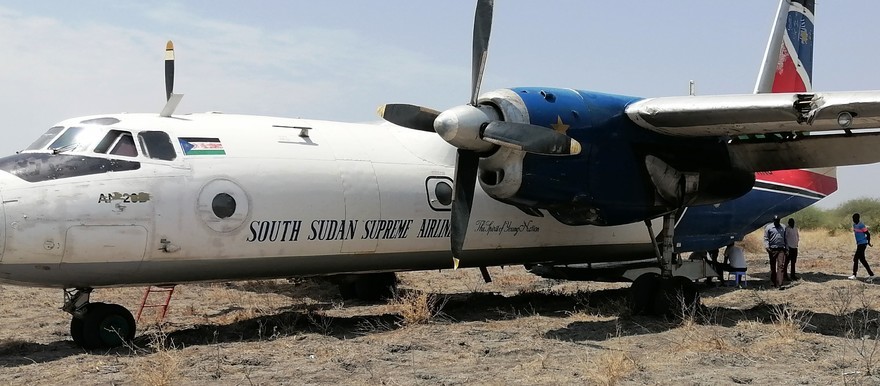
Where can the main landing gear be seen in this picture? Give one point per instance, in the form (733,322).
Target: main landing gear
(97,325)
(663,294)
(368,286)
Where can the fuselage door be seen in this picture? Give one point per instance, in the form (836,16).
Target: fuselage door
(361,202)
(118,248)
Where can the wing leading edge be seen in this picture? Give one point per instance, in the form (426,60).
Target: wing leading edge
(774,131)
(734,115)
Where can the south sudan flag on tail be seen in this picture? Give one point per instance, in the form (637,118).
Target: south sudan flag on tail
(202,146)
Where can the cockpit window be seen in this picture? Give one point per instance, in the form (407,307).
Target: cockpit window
(117,142)
(44,139)
(75,139)
(125,146)
(157,145)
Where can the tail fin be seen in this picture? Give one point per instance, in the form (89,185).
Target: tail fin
(788,60)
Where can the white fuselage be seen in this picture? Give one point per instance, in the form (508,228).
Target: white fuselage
(310,198)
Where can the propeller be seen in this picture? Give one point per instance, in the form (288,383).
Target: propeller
(467,162)
(169,69)
(476,129)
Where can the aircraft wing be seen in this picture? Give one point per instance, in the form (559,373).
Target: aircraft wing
(733,115)
(773,131)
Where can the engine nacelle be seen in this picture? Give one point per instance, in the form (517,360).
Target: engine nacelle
(623,174)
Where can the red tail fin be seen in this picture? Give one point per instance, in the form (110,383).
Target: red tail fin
(788,60)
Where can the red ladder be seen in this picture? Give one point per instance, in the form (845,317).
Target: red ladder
(168,289)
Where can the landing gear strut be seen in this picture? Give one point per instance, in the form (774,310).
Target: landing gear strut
(97,325)
(663,294)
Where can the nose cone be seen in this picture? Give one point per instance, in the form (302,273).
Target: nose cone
(460,126)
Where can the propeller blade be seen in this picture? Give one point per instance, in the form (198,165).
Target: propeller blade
(482,29)
(169,69)
(463,197)
(409,116)
(530,138)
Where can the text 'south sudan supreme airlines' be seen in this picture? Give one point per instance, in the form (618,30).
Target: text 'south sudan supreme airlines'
(566,177)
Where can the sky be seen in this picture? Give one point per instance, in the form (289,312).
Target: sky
(341,59)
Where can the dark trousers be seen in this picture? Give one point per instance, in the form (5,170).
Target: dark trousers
(860,257)
(792,259)
(777,268)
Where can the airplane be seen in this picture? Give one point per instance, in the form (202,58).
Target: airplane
(568,178)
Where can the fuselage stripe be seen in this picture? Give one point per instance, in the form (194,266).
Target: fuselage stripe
(776,188)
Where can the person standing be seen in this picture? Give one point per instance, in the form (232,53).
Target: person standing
(792,237)
(863,240)
(774,243)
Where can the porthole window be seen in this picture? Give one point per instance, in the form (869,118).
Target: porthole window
(444,192)
(439,190)
(223,205)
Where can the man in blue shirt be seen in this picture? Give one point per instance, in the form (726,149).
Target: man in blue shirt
(774,243)
(863,240)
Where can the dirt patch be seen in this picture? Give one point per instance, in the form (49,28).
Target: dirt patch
(451,328)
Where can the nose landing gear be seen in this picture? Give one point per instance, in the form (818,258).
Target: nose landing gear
(97,325)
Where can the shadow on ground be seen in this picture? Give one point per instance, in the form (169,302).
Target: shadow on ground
(608,306)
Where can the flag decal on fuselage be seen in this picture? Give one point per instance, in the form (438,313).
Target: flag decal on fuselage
(202,146)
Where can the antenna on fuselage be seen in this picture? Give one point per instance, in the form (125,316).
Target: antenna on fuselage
(692,88)
(171,99)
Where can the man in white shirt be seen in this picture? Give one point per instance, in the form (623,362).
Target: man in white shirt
(792,237)
(734,259)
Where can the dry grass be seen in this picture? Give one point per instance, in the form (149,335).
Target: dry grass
(417,307)
(609,368)
(789,323)
(162,367)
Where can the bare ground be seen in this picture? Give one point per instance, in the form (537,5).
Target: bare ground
(450,328)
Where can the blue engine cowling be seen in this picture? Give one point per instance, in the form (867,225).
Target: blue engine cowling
(610,181)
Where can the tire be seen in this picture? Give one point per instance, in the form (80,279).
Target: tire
(76,330)
(106,326)
(347,291)
(678,294)
(642,293)
(376,286)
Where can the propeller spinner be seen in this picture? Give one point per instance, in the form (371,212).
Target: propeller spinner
(475,129)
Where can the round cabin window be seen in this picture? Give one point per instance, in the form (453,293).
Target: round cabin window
(223,205)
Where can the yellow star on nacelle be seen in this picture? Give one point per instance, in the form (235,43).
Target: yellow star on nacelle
(559,125)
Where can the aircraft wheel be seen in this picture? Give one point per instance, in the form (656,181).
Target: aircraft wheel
(642,293)
(678,294)
(346,290)
(376,286)
(104,326)
(76,331)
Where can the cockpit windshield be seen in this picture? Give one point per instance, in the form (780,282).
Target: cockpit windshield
(44,139)
(76,139)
